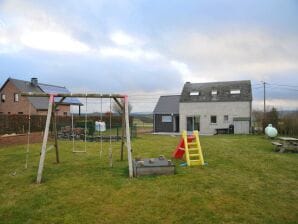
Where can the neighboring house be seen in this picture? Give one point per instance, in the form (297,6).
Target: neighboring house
(216,107)
(11,102)
(166,114)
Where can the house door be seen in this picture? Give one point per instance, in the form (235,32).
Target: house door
(193,123)
(189,123)
(177,124)
(196,123)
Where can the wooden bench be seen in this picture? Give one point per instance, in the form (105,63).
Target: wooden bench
(278,146)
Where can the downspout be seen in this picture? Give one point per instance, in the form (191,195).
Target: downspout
(153,123)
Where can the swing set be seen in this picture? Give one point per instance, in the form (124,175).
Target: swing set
(51,116)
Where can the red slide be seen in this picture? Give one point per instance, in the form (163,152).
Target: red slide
(179,151)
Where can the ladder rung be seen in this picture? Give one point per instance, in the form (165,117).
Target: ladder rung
(192,143)
(192,155)
(193,149)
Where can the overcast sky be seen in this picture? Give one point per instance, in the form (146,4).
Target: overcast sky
(150,48)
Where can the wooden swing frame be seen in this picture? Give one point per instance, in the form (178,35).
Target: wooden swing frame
(51,115)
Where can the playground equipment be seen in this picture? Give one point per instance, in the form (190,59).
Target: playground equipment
(271,131)
(51,115)
(191,147)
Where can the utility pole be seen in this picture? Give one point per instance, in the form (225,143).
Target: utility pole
(264,113)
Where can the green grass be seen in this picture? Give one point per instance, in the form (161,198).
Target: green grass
(244,182)
(139,123)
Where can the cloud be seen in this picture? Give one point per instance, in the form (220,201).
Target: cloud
(123,39)
(28,25)
(134,54)
(226,55)
(52,41)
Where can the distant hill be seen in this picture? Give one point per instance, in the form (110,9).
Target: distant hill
(143,116)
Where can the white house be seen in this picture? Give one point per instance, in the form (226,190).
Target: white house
(215,107)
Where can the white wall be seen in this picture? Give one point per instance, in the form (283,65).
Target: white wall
(206,109)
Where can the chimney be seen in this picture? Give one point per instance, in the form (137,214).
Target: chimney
(34,81)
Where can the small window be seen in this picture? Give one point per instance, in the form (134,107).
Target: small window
(235,91)
(65,113)
(16,97)
(8,112)
(226,118)
(166,119)
(20,113)
(214,92)
(3,97)
(194,93)
(213,119)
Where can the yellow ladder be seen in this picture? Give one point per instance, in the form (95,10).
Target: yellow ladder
(193,150)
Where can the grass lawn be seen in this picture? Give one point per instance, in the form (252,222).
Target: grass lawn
(244,182)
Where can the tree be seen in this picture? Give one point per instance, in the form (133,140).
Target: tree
(118,110)
(272,117)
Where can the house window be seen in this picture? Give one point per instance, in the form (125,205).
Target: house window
(213,119)
(16,97)
(194,93)
(65,113)
(214,92)
(235,91)
(20,113)
(226,118)
(3,97)
(166,119)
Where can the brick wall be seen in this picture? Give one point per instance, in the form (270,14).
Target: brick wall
(11,107)
(61,110)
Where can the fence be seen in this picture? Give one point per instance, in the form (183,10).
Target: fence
(19,123)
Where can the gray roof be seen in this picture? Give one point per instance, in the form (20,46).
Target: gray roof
(223,91)
(167,105)
(42,103)
(59,89)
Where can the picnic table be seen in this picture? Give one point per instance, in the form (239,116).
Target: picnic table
(286,144)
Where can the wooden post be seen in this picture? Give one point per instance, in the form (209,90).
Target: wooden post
(122,134)
(44,142)
(55,133)
(128,143)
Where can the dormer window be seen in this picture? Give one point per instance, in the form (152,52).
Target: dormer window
(214,92)
(235,91)
(195,93)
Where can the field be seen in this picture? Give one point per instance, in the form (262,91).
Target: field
(244,182)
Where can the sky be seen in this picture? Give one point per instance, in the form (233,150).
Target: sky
(148,48)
